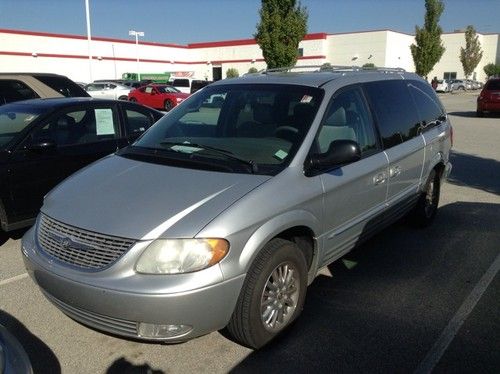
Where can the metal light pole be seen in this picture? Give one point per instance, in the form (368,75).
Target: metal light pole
(89,38)
(137,34)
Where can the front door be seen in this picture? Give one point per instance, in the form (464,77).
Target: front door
(79,135)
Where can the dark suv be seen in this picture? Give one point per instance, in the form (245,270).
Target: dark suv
(25,86)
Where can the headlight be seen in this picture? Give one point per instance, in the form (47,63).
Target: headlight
(173,256)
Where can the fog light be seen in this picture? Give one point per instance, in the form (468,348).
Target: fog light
(153,331)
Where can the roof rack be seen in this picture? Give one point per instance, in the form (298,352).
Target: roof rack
(332,68)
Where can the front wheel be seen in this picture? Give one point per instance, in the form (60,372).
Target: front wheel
(168,105)
(272,296)
(426,209)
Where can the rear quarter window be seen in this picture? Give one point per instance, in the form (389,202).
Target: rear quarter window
(428,105)
(63,85)
(14,90)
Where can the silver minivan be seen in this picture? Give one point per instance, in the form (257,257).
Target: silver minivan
(223,212)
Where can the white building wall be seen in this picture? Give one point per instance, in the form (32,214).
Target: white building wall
(450,61)
(397,52)
(68,55)
(356,48)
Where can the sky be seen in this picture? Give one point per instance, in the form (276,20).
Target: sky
(192,21)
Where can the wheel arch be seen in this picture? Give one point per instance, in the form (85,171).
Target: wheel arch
(299,227)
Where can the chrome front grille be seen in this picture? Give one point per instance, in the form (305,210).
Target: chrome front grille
(78,247)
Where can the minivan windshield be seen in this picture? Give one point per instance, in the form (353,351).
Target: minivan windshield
(238,128)
(13,120)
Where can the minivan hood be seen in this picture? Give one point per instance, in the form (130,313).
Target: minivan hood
(138,200)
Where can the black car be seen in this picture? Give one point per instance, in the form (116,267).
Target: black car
(42,141)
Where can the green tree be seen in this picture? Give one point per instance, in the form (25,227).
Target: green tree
(491,69)
(428,48)
(283,24)
(369,65)
(232,73)
(472,53)
(325,67)
(252,70)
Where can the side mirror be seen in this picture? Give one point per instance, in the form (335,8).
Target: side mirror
(43,145)
(340,152)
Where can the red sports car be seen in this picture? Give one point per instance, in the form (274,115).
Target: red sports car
(159,96)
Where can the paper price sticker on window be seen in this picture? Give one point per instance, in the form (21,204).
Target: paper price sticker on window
(306,99)
(104,122)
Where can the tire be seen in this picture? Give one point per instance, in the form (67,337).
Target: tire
(256,318)
(133,99)
(426,209)
(461,88)
(168,105)
(123,98)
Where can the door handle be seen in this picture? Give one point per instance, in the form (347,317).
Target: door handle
(379,178)
(394,171)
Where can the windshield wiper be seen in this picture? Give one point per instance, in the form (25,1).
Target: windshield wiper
(222,152)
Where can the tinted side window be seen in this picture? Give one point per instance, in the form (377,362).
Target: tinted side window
(428,105)
(13,90)
(137,122)
(181,82)
(396,115)
(63,85)
(80,127)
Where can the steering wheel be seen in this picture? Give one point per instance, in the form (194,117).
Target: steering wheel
(286,132)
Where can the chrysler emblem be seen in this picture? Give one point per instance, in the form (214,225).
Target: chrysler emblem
(67,242)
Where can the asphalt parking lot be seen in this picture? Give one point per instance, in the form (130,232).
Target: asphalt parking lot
(409,301)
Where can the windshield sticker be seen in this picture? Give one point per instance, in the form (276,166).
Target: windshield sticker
(104,122)
(306,99)
(186,148)
(281,155)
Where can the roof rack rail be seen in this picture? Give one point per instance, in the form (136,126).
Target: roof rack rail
(332,68)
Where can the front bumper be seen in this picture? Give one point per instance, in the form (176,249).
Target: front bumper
(118,311)
(447,170)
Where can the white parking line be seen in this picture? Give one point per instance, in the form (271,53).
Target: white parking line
(13,279)
(448,334)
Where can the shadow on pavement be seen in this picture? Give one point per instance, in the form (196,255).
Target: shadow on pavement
(475,172)
(384,314)
(43,360)
(470,114)
(122,366)
(16,234)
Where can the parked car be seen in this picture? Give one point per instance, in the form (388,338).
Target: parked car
(489,98)
(460,85)
(220,216)
(24,86)
(442,85)
(42,141)
(183,84)
(108,90)
(159,96)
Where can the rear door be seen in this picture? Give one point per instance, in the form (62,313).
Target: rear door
(354,194)
(399,127)
(81,135)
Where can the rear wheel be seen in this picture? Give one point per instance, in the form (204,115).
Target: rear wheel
(124,97)
(272,296)
(168,105)
(133,99)
(426,209)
